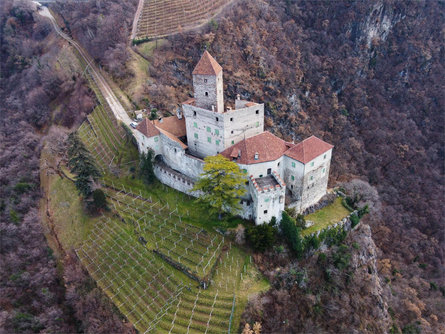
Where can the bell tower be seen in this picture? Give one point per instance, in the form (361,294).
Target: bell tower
(208,84)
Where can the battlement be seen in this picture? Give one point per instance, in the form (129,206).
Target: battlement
(268,183)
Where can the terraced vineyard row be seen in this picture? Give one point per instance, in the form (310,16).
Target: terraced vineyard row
(151,294)
(165,231)
(160,18)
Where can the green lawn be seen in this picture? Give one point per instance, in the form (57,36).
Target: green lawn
(330,214)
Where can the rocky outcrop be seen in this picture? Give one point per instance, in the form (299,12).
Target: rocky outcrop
(338,291)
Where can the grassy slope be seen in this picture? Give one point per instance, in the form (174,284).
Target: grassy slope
(330,214)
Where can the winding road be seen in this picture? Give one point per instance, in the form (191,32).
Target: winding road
(105,89)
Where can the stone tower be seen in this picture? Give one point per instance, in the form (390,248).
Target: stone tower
(208,84)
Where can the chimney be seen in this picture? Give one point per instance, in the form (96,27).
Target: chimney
(179,113)
(257,156)
(238,97)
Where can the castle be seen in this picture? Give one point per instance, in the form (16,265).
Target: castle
(276,171)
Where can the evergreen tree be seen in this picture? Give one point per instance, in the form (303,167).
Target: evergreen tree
(82,164)
(146,167)
(292,234)
(222,184)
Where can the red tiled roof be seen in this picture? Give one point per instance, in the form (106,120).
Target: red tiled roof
(147,128)
(308,149)
(207,65)
(174,138)
(249,104)
(173,125)
(268,147)
(190,101)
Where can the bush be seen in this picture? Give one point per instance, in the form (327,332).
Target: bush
(146,167)
(346,202)
(261,237)
(300,221)
(99,201)
(354,220)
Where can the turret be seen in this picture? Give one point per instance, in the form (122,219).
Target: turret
(208,84)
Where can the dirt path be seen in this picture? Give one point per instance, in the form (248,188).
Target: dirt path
(103,85)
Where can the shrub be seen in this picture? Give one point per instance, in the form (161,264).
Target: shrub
(261,237)
(146,167)
(433,286)
(300,221)
(341,257)
(354,220)
(99,201)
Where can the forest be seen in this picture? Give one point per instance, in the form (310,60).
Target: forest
(365,76)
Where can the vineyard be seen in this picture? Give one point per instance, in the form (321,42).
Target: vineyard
(160,18)
(153,253)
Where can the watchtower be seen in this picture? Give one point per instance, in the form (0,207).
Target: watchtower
(208,84)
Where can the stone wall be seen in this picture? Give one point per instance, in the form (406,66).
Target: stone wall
(174,179)
(208,91)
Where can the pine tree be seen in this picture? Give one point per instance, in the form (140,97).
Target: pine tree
(146,166)
(222,184)
(292,234)
(82,164)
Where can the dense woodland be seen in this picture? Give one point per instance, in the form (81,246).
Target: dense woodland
(365,76)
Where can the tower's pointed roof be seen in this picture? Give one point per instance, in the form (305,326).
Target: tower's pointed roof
(207,65)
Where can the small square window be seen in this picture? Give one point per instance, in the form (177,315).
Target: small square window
(292,177)
(217,143)
(312,178)
(156,139)
(261,175)
(266,199)
(233,142)
(217,119)
(195,124)
(231,132)
(278,164)
(312,164)
(206,93)
(257,124)
(324,157)
(196,135)
(216,132)
(231,119)
(194,113)
(324,170)
(293,164)
(209,139)
(208,129)
(265,211)
(245,171)
(292,186)
(205,80)
(257,112)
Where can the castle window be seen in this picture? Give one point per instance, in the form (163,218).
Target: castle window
(208,129)
(195,124)
(209,139)
(231,132)
(324,170)
(233,142)
(231,119)
(267,200)
(265,211)
(217,143)
(324,157)
(216,132)
(257,112)
(156,139)
(312,178)
(206,93)
(245,171)
(312,164)
(257,124)
(217,119)
(261,175)
(293,164)
(205,80)
(292,186)
(194,113)
(292,177)
(278,164)
(196,135)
